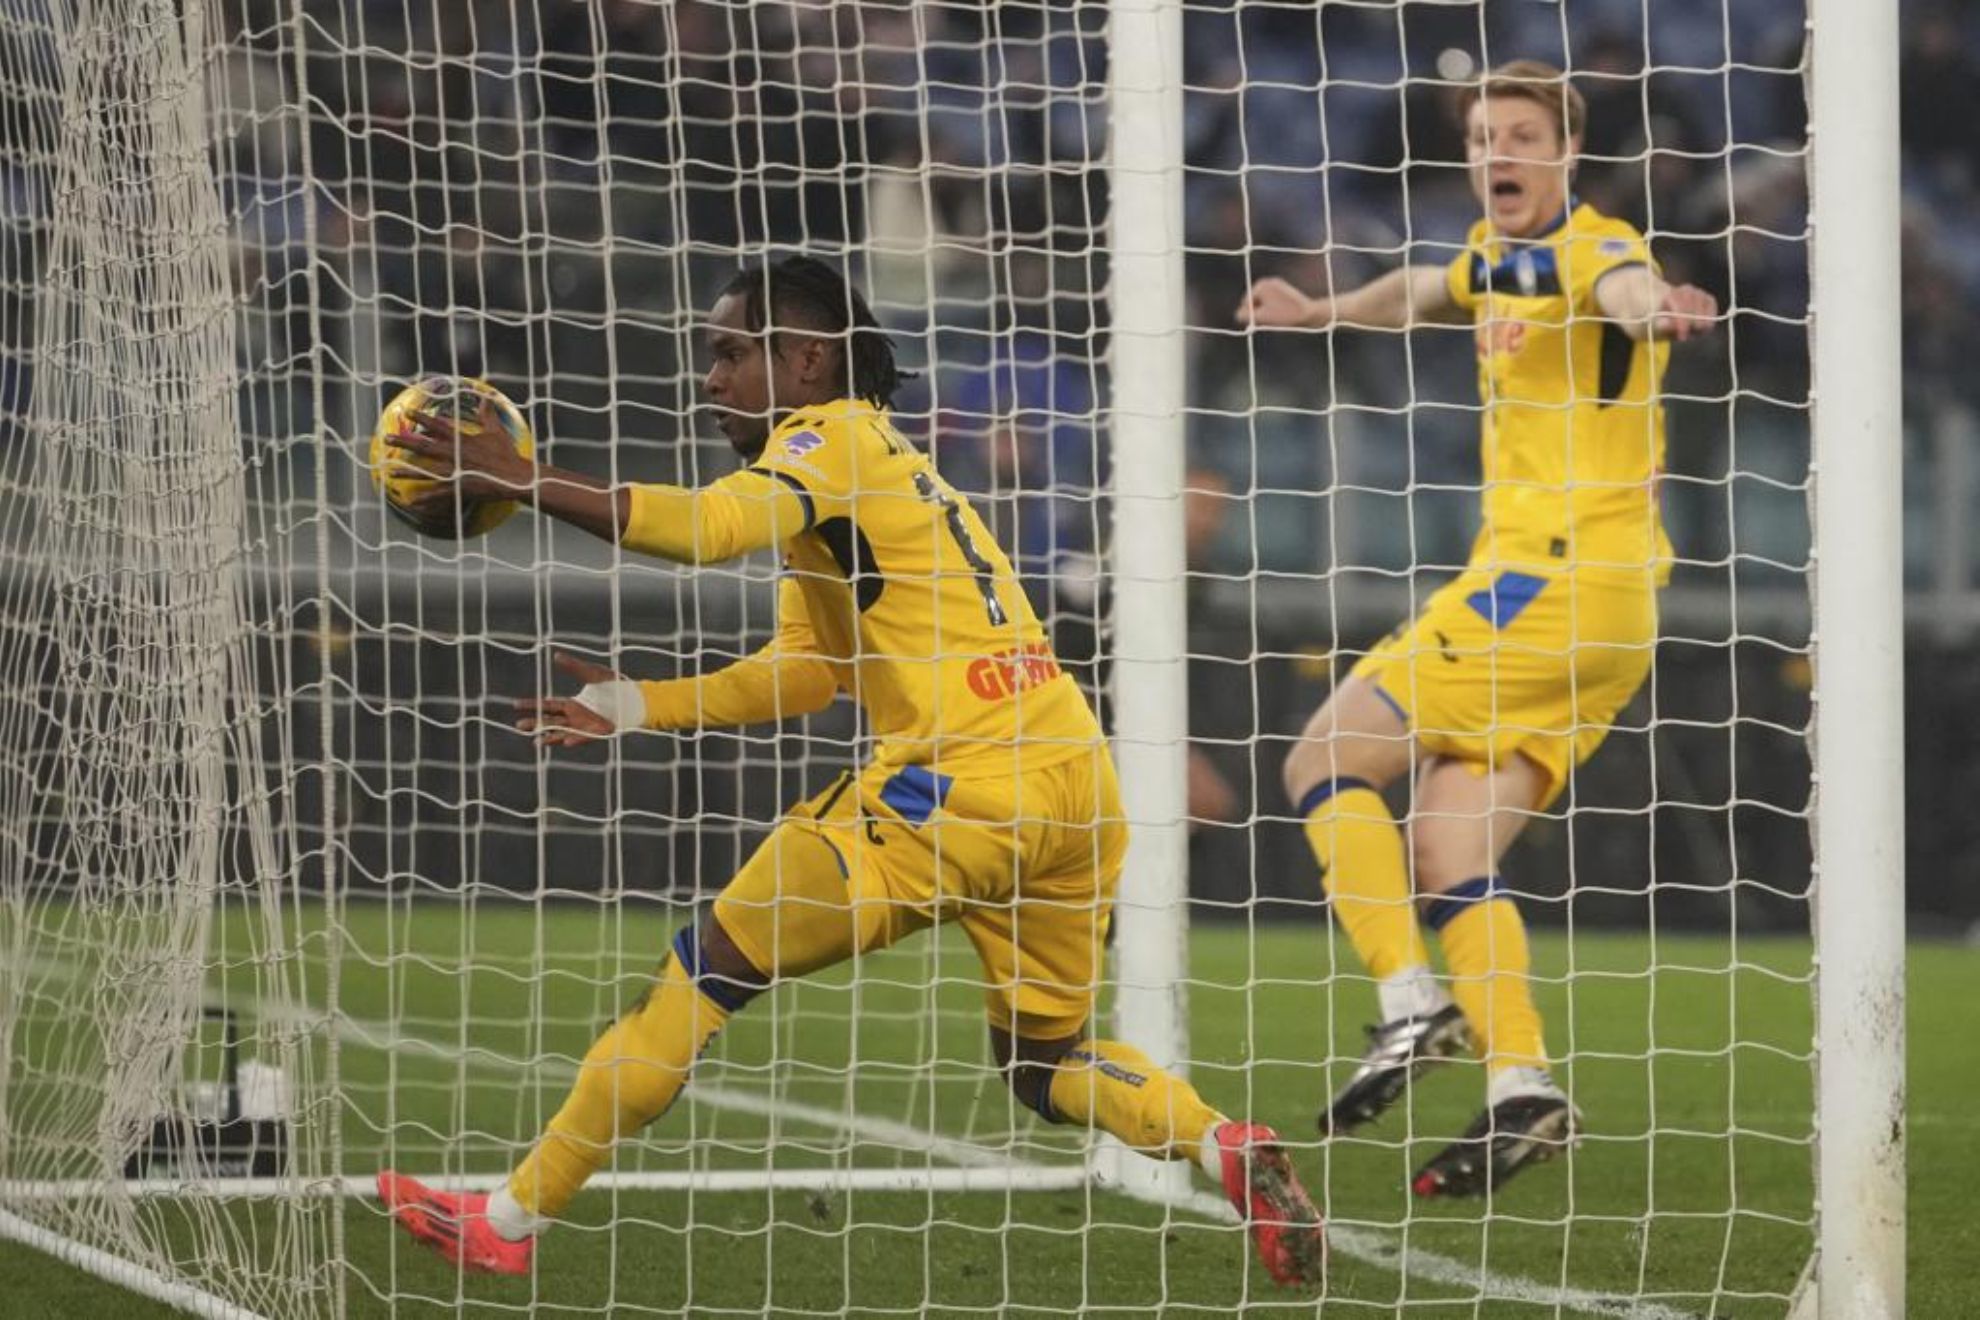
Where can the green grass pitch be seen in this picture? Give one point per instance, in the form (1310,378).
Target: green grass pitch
(1691,1192)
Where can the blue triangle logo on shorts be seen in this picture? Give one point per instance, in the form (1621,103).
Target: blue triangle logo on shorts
(1500,603)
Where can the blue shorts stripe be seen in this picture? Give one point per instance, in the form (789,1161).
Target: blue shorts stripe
(1501,603)
(1319,793)
(1447,906)
(915,792)
(1391,703)
(837,856)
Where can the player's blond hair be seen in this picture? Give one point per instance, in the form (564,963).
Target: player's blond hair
(1530,80)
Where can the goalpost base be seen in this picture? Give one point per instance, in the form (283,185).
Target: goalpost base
(1805,1303)
(1118,1169)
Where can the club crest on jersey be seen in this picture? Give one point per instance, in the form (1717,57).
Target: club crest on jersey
(1613,247)
(797,446)
(1524,273)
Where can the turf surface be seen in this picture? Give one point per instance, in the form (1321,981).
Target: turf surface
(1691,1194)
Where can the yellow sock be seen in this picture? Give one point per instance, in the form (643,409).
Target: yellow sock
(1366,874)
(628,1079)
(1118,1089)
(1485,950)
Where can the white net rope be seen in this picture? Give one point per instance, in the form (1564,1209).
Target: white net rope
(143,879)
(550,198)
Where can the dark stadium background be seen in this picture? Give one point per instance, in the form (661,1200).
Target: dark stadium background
(429,257)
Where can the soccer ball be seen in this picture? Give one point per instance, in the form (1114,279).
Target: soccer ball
(393,471)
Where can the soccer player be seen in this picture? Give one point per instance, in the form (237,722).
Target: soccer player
(990,799)
(1514,671)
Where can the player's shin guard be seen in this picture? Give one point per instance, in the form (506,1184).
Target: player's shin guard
(1360,850)
(628,1078)
(1485,948)
(1119,1090)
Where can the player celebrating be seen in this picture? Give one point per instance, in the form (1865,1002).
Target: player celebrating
(990,799)
(1513,673)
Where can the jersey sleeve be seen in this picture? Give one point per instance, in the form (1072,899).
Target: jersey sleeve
(784,678)
(744,511)
(1593,257)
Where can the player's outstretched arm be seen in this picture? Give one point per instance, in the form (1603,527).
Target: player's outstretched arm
(783,679)
(569,721)
(743,511)
(763,686)
(1406,296)
(1645,307)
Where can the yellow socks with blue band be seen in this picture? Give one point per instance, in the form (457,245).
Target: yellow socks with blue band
(629,1077)
(1118,1089)
(1486,952)
(1365,870)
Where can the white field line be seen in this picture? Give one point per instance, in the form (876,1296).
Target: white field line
(1033,1178)
(883,1131)
(1377,1249)
(1382,1251)
(125,1274)
(140,1279)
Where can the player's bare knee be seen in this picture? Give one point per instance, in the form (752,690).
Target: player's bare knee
(1344,761)
(1356,735)
(1308,765)
(1444,852)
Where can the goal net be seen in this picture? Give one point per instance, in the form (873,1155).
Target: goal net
(154,998)
(285,899)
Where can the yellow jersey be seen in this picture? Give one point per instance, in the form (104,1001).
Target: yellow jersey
(908,596)
(1573,431)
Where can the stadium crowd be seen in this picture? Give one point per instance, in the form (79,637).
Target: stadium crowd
(544,191)
(522,185)
(533,192)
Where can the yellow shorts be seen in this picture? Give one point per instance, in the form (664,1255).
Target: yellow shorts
(1027,864)
(1502,663)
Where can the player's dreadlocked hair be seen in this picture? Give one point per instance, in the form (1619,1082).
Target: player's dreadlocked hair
(802,293)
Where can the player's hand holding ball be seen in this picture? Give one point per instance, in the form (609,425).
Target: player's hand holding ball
(451,454)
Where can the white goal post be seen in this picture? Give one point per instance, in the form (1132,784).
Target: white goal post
(1859,635)
(1151,645)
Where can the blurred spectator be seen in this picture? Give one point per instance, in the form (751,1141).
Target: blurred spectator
(1016,435)
(1206,506)
(546,192)
(1940,99)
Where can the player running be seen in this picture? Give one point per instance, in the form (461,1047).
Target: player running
(990,799)
(1514,672)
